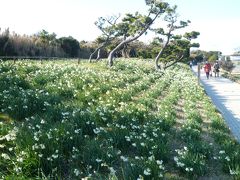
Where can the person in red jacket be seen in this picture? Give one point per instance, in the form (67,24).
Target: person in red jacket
(207,69)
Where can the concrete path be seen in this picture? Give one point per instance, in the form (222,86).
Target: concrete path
(225,94)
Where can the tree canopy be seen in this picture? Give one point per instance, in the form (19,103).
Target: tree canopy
(135,25)
(119,37)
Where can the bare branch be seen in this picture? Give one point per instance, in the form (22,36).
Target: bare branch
(174,62)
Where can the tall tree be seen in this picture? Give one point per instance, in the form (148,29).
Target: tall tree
(70,46)
(106,26)
(4,38)
(211,56)
(136,25)
(177,50)
(175,47)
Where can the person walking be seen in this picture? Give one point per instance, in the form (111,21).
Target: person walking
(207,69)
(216,68)
(190,64)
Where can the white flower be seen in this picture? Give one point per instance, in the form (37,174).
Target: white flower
(159,162)
(46,103)
(104,165)
(104,119)
(175,159)
(96,131)
(119,152)
(36,138)
(49,136)
(55,156)
(17,169)
(221,152)
(125,159)
(98,160)
(19,159)
(5,156)
(10,136)
(123,127)
(179,164)
(49,159)
(136,157)
(227,158)
(76,172)
(232,172)
(127,138)
(42,146)
(140,177)
(77,131)
(147,172)
(151,158)
(155,134)
(160,175)
(112,171)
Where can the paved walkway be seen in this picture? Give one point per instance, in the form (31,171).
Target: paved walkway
(225,94)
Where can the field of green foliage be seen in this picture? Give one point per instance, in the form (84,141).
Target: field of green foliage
(63,120)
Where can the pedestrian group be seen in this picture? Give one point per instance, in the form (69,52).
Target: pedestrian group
(208,69)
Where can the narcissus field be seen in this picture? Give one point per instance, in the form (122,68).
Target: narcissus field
(63,120)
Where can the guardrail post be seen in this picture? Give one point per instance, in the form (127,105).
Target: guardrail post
(198,72)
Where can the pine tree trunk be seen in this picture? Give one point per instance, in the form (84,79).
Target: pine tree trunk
(91,55)
(110,58)
(111,54)
(124,51)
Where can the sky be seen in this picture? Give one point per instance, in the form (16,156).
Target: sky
(218,21)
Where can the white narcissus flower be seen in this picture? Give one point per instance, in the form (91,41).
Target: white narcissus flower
(76,172)
(5,156)
(125,159)
(147,172)
(98,160)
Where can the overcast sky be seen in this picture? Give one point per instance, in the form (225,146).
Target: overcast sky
(218,21)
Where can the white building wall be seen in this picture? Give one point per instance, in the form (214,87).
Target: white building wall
(235,58)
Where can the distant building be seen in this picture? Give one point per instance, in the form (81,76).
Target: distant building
(235,57)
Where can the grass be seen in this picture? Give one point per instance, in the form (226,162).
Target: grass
(63,120)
